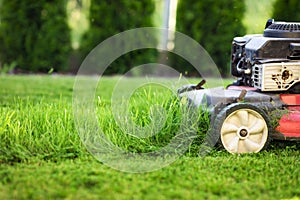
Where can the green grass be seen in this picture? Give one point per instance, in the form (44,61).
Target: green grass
(42,157)
(263,176)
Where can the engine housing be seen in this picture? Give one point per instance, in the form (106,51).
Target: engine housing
(268,61)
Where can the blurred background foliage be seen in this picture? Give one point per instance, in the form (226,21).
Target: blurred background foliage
(213,24)
(51,35)
(287,10)
(35,35)
(107,18)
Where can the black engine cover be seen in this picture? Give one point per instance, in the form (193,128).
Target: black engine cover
(279,42)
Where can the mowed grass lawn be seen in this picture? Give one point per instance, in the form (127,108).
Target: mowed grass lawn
(42,157)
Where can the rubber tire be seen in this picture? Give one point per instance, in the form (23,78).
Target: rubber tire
(225,112)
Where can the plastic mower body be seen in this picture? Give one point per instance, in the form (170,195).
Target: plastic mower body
(264,102)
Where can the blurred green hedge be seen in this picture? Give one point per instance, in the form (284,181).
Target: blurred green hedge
(108,18)
(34,35)
(213,24)
(286,10)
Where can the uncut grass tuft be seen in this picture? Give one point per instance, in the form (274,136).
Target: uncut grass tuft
(39,125)
(149,121)
(42,130)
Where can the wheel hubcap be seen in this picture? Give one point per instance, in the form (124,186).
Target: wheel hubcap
(244,131)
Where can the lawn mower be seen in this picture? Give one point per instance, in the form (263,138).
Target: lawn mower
(264,101)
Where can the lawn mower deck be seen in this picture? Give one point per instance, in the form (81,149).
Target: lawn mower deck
(245,119)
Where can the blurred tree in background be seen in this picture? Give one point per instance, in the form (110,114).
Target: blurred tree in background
(34,35)
(213,24)
(53,44)
(108,18)
(286,10)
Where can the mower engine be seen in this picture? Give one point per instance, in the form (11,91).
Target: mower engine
(268,61)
